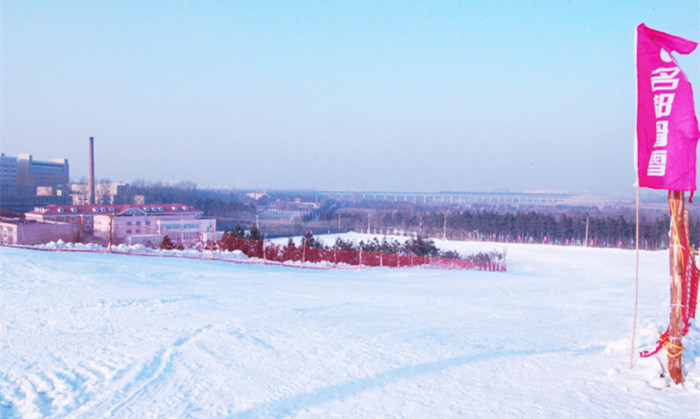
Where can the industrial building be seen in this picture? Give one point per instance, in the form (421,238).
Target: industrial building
(26,182)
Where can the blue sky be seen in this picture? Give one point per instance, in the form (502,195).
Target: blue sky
(401,96)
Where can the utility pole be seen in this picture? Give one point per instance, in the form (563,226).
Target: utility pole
(212,239)
(111,217)
(91,180)
(444,228)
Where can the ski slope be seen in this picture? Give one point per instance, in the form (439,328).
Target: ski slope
(108,335)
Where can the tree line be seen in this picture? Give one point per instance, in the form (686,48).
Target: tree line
(419,246)
(213,204)
(526,227)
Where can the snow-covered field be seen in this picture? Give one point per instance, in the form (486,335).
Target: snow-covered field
(98,335)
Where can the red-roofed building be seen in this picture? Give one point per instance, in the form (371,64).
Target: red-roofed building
(146,224)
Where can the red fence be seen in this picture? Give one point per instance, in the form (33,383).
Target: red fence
(281,254)
(302,256)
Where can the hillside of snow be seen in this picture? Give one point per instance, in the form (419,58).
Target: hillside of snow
(99,334)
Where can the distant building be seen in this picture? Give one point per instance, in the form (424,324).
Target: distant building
(289,212)
(14,231)
(146,224)
(256,195)
(34,173)
(8,175)
(79,215)
(25,182)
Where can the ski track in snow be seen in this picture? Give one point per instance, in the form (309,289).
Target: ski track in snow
(100,335)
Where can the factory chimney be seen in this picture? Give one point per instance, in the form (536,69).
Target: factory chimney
(91,180)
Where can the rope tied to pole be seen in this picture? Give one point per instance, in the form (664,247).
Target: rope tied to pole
(690,278)
(665,342)
(668,344)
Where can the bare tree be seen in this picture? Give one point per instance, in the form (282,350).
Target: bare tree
(80,191)
(104,192)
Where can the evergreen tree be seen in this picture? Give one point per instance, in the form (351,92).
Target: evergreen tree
(166,243)
(254,233)
(310,241)
(238,232)
(341,244)
(421,247)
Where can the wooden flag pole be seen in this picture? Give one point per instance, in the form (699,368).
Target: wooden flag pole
(675,329)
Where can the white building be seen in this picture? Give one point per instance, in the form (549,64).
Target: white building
(146,224)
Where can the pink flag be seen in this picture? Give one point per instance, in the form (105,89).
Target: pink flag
(667,128)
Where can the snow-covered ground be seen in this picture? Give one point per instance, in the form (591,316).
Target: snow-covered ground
(96,335)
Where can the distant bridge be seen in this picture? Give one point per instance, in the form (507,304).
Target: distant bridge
(490,198)
(515,199)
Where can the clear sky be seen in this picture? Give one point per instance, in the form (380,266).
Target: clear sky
(353,95)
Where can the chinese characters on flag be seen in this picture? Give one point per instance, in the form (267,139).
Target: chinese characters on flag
(667,127)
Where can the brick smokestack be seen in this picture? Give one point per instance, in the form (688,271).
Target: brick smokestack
(91,180)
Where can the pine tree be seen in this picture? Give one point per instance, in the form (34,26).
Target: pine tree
(254,233)
(166,243)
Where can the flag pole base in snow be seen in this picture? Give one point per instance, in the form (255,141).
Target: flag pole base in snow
(676,202)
